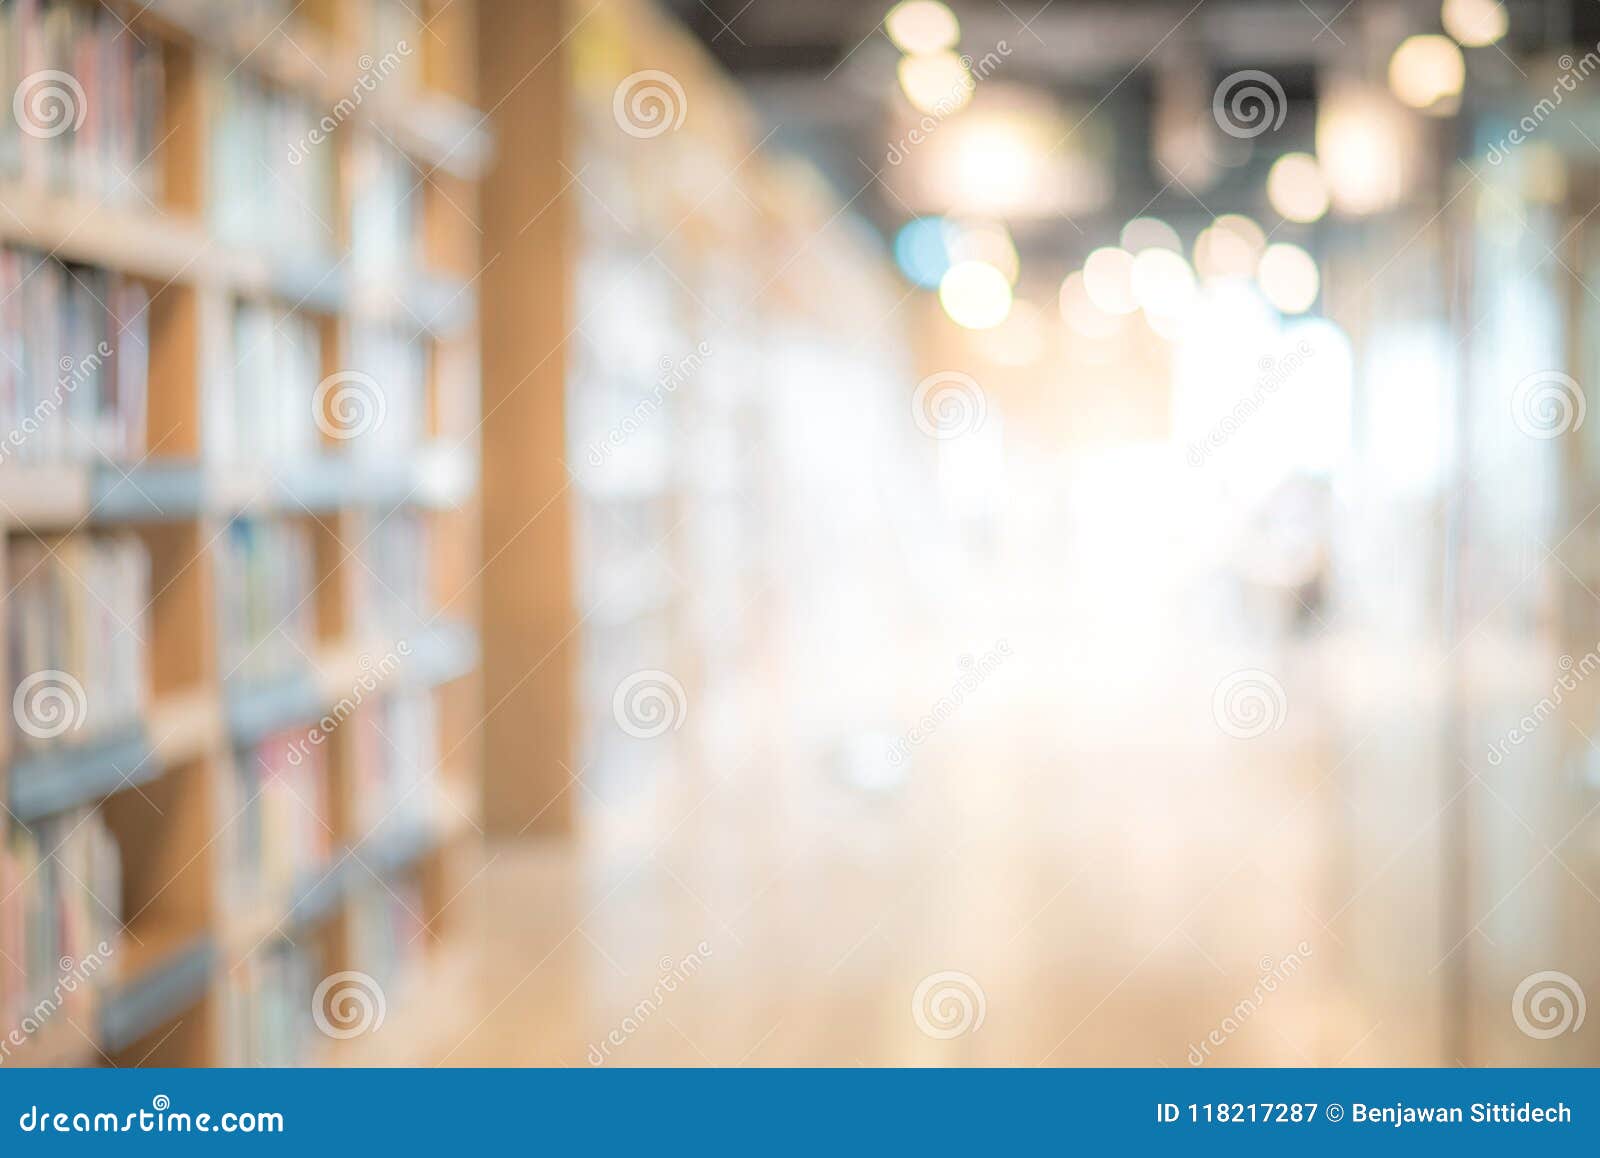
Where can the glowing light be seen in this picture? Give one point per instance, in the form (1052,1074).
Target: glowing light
(1229,247)
(1082,316)
(1149,233)
(1288,278)
(1364,147)
(1296,187)
(1475,23)
(919,27)
(1163,283)
(1108,279)
(922,251)
(975,294)
(986,241)
(937,83)
(1426,72)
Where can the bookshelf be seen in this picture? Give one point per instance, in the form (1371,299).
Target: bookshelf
(263,570)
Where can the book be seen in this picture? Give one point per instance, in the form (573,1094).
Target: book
(74,362)
(76,631)
(266,618)
(60,917)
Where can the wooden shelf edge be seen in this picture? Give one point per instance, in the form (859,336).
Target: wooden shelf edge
(60,497)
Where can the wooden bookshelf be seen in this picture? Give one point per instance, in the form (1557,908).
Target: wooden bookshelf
(158,782)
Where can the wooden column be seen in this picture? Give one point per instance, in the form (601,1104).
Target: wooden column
(529,604)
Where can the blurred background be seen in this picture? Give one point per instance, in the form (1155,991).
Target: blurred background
(721,532)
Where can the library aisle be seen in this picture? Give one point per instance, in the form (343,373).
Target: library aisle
(703,532)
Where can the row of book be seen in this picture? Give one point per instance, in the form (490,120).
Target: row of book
(397,759)
(272,178)
(388,404)
(266,615)
(276,814)
(265,1004)
(385,211)
(61,884)
(76,633)
(260,401)
(74,361)
(393,583)
(86,99)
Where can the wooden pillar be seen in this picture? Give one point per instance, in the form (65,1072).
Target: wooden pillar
(529,604)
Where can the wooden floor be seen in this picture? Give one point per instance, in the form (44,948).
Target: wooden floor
(1087,867)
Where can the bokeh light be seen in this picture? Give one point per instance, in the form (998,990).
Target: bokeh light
(937,82)
(1297,188)
(920,27)
(1427,72)
(986,241)
(975,294)
(1150,233)
(1475,23)
(1108,279)
(1288,278)
(1079,312)
(922,251)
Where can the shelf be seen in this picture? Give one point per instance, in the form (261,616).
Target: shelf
(161,983)
(171,248)
(61,497)
(55,781)
(439,654)
(435,130)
